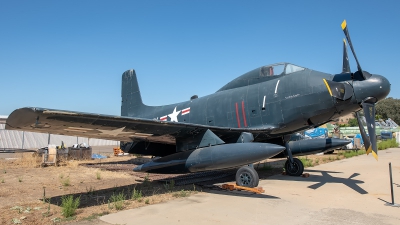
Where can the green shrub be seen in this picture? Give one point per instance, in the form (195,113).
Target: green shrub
(98,175)
(385,144)
(349,154)
(66,182)
(136,194)
(118,200)
(69,205)
(307,162)
(146,180)
(181,193)
(169,186)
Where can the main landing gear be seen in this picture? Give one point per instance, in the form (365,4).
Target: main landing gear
(293,166)
(247,176)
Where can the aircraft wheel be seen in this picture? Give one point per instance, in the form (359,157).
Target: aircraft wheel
(247,176)
(296,169)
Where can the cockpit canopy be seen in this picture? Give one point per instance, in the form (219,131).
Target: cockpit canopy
(279,69)
(262,74)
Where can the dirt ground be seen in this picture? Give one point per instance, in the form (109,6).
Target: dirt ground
(24,185)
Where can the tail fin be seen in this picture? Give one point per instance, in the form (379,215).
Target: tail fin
(131,104)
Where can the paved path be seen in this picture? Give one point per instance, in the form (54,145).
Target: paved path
(350,191)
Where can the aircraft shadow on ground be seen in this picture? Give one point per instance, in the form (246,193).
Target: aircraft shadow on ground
(326,178)
(128,161)
(239,193)
(93,197)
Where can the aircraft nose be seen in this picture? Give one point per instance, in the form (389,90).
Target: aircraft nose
(384,86)
(376,86)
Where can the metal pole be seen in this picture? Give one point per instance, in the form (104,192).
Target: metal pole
(48,141)
(391,182)
(23,139)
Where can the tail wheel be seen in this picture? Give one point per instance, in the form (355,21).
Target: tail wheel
(246,176)
(296,169)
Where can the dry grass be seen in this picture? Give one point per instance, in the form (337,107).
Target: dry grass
(83,181)
(27,160)
(44,213)
(314,160)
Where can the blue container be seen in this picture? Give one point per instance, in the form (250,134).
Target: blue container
(386,135)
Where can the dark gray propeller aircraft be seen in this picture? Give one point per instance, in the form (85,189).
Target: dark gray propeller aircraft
(249,119)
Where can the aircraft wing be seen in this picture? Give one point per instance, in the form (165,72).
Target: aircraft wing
(108,127)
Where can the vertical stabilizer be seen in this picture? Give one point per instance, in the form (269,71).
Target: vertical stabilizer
(131,104)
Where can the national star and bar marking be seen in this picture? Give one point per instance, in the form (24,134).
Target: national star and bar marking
(185,111)
(174,115)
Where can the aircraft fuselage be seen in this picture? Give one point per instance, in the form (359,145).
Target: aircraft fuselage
(289,102)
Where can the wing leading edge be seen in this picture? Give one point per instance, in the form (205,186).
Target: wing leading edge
(108,127)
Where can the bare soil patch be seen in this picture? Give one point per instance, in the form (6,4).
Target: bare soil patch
(23,184)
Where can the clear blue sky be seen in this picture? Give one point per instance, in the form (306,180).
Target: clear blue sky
(71,54)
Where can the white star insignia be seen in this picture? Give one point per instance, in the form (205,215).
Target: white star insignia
(174,115)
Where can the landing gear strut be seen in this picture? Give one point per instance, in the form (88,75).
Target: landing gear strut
(247,176)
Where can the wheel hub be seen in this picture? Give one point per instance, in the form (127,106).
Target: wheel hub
(293,168)
(245,178)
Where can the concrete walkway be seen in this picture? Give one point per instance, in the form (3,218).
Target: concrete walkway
(350,191)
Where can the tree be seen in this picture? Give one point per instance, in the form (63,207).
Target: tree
(389,108)
(353,122)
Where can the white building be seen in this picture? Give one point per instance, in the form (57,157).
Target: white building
(10,139)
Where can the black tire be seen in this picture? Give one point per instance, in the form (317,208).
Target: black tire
(297,167)
(246,176)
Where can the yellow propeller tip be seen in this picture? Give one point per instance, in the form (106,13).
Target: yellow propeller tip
(369,150)
(375,155)
(344,24)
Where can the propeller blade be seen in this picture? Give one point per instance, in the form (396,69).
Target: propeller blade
(369,113)
(346,64)
(346,33)
(367,142)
